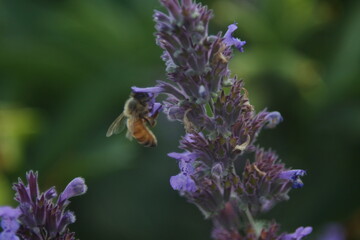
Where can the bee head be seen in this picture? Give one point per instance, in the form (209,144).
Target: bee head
(141,96)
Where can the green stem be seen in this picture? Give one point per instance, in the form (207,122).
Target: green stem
(251,220)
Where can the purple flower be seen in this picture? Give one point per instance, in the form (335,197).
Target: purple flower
(260,185)
(75,188)
(298,234)
(186,161)
(7,235)
(229,40)
(152,90)
(50,193)
(41,217)
(9,223)
(155,109)
(273,119)
(185,156)
(182,182)
(67,219)
(9,212)
(294,177)
(217,170)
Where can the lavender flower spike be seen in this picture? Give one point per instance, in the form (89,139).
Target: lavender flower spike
(230,40)
(221,128)
(39,216)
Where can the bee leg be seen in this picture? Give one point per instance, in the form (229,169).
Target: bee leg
(153,124)
(151,121)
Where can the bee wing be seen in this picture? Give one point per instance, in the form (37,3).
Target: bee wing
(117,126)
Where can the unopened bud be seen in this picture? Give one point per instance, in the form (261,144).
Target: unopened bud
(217,170)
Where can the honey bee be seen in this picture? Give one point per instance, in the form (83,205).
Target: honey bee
(136,113)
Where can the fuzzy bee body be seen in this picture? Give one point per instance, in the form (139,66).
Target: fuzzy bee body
(138,130)
(136,112)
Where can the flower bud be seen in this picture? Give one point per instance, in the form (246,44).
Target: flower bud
(75,188)
(50,193)
(273,119)
(217,170)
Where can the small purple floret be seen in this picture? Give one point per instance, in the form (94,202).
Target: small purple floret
(9,212)
(76,187)
(181,182)
(185,156)
(294,176)
(203,92)
(273,119)
(298,234)
(9,223)
(230,40)
(155,109)
(67,219)
(153,90)
(217,170)
(186,160)
(50,193)
(8,235)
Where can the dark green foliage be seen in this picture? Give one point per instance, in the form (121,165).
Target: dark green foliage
(70,65)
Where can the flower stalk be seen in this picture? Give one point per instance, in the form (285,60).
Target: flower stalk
(222,170)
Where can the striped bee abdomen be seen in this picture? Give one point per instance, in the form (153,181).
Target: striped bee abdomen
(143,134)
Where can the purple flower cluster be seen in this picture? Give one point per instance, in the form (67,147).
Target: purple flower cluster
(216,173)
(39,216)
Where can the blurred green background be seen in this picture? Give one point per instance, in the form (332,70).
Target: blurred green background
(66,67)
